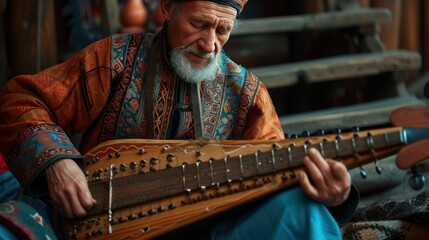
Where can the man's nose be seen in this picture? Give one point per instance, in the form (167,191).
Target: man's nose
(207,42)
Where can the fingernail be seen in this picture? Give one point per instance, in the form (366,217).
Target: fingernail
(306,159)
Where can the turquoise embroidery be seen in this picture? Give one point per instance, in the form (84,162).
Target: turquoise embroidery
(39,146)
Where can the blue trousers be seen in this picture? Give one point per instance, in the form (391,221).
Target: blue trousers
(289,214)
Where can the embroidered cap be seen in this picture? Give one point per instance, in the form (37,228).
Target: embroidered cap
(236,4)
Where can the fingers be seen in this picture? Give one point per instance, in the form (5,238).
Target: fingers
(68,188)
(85,198)
(343,179)
(58,199)
(318,169)
(327,181)
(69,203)
(319,185)
(339,171)
(318,160)
(307,187)
(79,200)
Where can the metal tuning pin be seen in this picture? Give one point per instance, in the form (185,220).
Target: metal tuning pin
(319,132)
(417,181)
(305,134)
(133,165)
(110,212)
(187,190)
(356,136)
(337,131)
(370,142)
(171,157)
(378,169)
(363,173)
(198,153)
(294,136)
(164,149)
(143,163)
(154,160)
(123,167)
(197,164)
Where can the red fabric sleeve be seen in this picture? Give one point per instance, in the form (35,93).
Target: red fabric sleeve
(3,167)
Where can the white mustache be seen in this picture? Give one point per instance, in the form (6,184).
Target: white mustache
(191,49)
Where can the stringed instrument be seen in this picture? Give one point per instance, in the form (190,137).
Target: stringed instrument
(145,188)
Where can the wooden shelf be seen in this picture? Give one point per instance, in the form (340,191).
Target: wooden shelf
(318,21)
(338,67)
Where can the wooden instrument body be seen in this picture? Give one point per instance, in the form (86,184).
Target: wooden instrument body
(157,186)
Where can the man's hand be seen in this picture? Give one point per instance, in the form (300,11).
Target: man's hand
(68,188)
(330,180)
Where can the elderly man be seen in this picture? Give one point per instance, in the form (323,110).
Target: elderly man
(144,86)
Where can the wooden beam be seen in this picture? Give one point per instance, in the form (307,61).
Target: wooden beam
(334,68)
(318,21)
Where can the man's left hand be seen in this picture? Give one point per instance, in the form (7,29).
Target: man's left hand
(330,181)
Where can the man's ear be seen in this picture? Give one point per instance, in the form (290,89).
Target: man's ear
(167,9)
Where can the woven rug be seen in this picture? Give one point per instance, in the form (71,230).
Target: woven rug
(391,219)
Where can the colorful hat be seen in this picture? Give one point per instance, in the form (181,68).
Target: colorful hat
(236,4)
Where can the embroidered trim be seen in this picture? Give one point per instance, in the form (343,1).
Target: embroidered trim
(246,102)
(228,101)
(213,101)
(124,50)
(164,101)
(36,147)
(133,104)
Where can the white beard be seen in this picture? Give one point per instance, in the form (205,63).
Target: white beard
(183,67)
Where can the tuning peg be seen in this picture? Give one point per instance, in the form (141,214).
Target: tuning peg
(378,169)
(319,132)
(426,90)
(363,173)
(355,129)
(294,136)
(417,181)
(289,136)
(305,134)
(337,131)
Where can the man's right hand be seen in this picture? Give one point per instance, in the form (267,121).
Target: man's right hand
(68,188)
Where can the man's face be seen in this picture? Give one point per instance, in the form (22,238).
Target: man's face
(197,31)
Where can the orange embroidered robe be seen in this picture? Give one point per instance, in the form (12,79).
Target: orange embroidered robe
(101,92)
